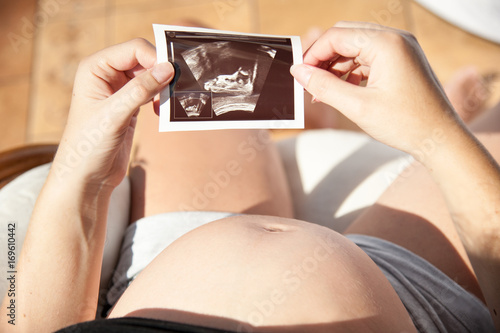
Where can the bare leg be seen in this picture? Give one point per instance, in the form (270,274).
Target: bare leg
(468,91)
(412,213)
(234,170)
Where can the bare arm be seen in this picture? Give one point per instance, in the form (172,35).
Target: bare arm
(469,178)
(60,262)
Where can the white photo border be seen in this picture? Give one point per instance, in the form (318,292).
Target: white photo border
(165,125)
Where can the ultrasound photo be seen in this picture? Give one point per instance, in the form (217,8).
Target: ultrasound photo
(234,73)
(229,80)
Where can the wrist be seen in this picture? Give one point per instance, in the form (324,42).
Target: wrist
(72,169)
(76,187)
(444,149)
(78,204)
(447,136)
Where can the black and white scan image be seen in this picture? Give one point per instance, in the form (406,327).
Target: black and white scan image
(228,80)
(234,72)
(192,105)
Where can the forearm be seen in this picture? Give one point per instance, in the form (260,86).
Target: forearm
(60,262)
(470,181)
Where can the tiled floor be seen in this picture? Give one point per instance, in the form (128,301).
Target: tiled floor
(43,41)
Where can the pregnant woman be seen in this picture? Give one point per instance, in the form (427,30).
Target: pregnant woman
(425,258)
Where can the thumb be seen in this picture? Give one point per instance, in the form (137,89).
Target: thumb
(327,87)
(141,89)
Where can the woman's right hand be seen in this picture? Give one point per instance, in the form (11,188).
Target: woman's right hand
(402,104)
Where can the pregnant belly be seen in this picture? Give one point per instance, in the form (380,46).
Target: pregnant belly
(246,273)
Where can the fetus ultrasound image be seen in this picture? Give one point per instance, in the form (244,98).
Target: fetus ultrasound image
(230,77)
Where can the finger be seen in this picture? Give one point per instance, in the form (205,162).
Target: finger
(141,89)
(328,88)
(131,57)
(345,38)
(321,60)
(360,25)
(342,24)
(357,75)
(368,26)
(343,66)
(127,55)
(345,42)
(137,70)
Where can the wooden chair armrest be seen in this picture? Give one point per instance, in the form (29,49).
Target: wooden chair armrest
(15,161)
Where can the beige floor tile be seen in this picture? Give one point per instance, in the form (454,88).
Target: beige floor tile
(14,99)
(221,7)
(70,30)
(129,23)
(16,19)
(55,10)
(59,48)
(297,16)
(16,48)
(145,5)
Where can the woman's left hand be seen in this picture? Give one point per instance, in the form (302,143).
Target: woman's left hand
(110,87)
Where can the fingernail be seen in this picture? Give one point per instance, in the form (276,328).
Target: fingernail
(302,73)
(163,72)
